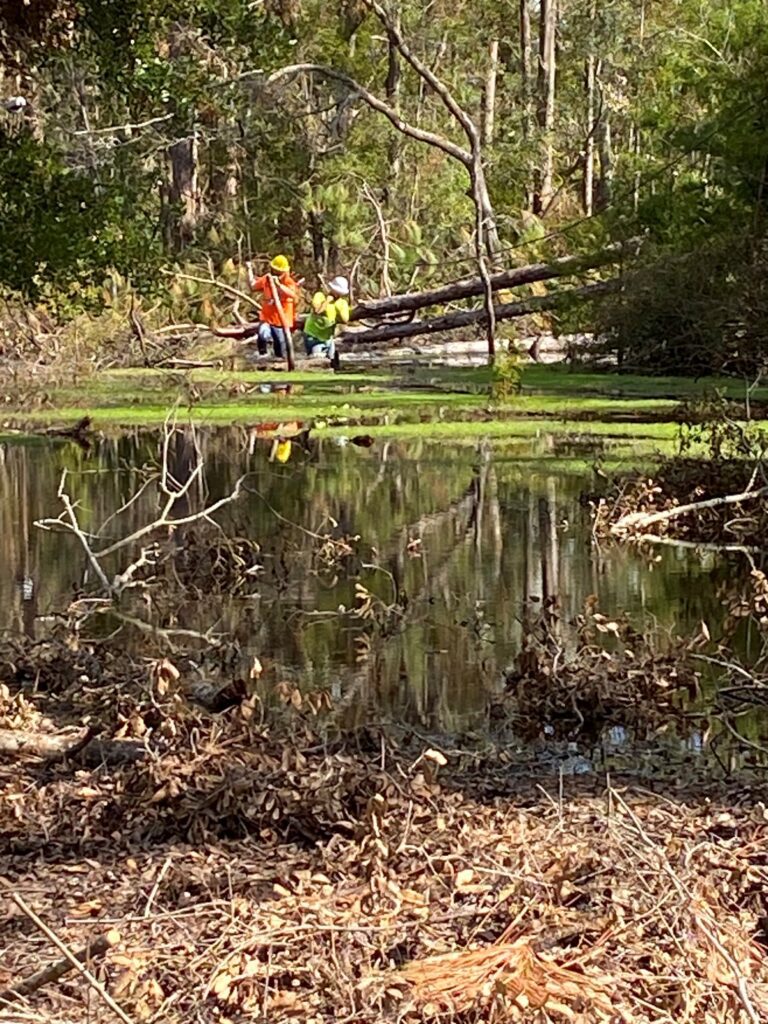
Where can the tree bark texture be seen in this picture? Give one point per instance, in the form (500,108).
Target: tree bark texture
(470,317)
(489,93)
(525,81)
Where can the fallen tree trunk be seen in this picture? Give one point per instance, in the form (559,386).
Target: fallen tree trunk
(469,317)
(469,287)
(473,286)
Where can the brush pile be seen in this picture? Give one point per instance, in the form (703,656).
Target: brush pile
(688,500)
(257,871)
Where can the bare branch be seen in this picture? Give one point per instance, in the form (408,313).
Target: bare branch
(425,72)
(642,520)
(113,129)
(64,949)
(75,528)
(59,968)
(164,522)
(373,101)
(235,292)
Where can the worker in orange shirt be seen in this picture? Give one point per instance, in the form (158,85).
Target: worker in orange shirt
(276,285)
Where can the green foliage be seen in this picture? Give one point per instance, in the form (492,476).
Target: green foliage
(716,425)
(305,167)
(506,374)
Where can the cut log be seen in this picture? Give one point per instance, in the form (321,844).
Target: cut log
(473,286)
(57,970)
(471,317)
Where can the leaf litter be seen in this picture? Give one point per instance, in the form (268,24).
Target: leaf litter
(257,869)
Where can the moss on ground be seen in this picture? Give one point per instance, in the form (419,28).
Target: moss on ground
(443,402)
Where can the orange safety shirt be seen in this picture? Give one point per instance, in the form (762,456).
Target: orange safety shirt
(269,310)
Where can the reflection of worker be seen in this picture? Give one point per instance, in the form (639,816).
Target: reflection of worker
(279,289)
(328,311)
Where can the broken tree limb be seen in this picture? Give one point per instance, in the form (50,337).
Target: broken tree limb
(56,970)
(470,287)
(470,317)
(68,744)
(642,520)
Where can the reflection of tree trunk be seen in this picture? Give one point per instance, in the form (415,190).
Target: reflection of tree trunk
(494,515)
(534,589)
(182,462)
(553,540)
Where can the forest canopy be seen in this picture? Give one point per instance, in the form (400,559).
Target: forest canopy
(157,132)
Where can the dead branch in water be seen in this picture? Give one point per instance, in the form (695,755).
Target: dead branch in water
(171,490)
(640,521)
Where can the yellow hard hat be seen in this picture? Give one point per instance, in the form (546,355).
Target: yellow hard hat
(280,264)
(281,450)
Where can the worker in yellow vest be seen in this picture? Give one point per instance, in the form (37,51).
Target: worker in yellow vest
(329,309)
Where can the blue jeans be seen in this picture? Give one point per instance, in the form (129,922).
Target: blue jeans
(315,347)
(271,335)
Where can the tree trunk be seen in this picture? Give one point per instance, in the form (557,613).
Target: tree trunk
(605,150)
(489,93)
(183,157)
(473,286)
(392,92)
(469,317)
(184,187)
(525,82)
(636,139)
(546,105)
(589,145)
(59,745)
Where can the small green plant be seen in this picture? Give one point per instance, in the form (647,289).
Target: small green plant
(505,377)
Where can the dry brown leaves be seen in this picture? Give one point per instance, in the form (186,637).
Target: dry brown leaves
(256,872)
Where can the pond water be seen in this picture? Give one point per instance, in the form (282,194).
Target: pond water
(457,546)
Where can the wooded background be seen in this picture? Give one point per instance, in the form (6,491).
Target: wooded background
(164,133)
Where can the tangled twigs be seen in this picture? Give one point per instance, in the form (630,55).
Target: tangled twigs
(56,970)
(72,958)
(702,914)
(641,521)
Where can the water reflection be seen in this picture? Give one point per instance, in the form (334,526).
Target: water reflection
(457,547)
